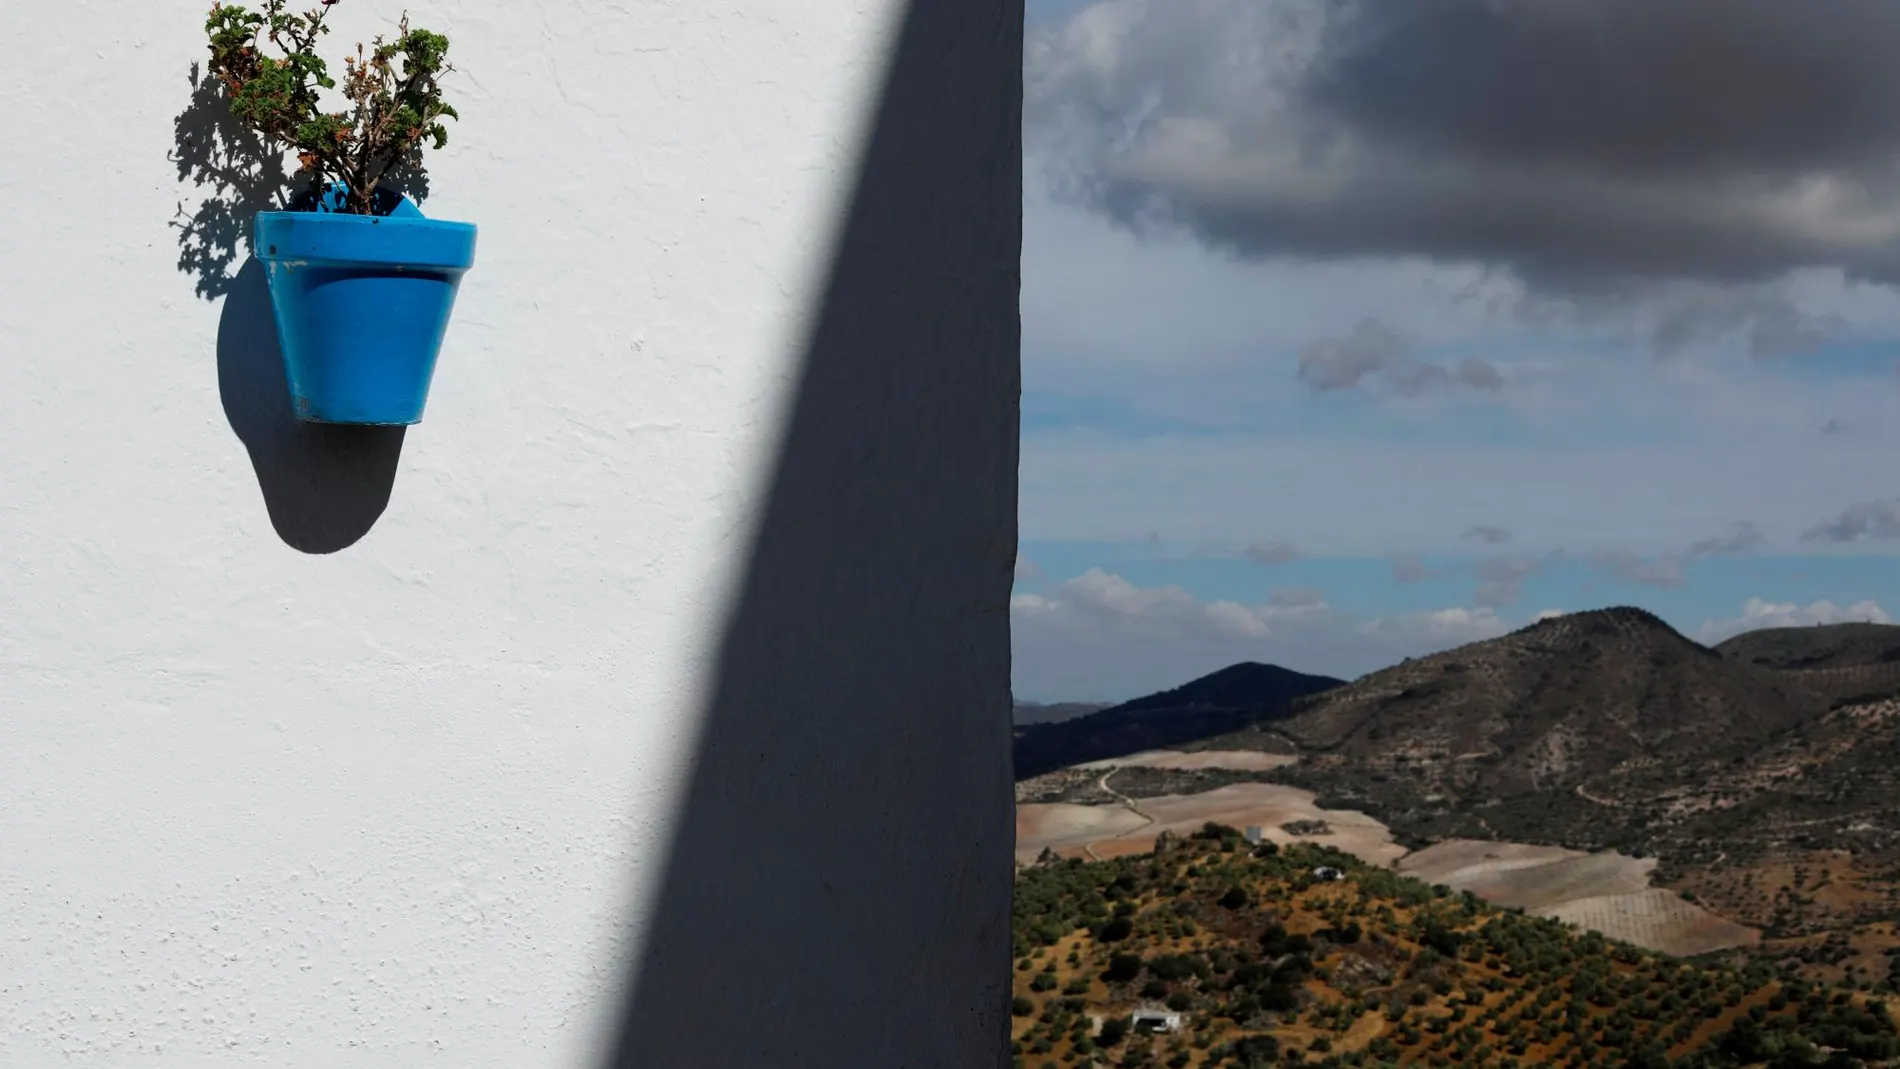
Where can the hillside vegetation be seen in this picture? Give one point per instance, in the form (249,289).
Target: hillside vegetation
(1602,729)
(1304,956)
(1821,646)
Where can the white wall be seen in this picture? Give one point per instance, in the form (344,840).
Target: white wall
(647,703)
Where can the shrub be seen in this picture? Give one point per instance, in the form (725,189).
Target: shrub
(395,99)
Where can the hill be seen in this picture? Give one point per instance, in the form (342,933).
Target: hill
(1799,836)
(1224,701)
(1567,731)
(1823,646)
(1307,957)
(1052,712)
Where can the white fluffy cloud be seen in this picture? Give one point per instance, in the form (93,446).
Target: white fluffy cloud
(1097,601)
(1098,636)
(1758,613)
(1440,629)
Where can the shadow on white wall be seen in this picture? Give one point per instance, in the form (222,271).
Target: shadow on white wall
(324,486)
(837,891)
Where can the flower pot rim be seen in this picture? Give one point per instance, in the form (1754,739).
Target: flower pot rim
(332,238)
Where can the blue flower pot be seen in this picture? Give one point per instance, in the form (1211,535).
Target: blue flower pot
(362,302)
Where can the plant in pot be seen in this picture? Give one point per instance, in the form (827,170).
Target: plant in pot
(361,282)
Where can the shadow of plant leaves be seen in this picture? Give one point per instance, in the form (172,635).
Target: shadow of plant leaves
(236,175)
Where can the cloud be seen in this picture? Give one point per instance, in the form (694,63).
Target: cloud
(1340,363)
(1097,600)
(1408,568)
(1272,554)
(1868,520)
(1767,325)
(1027,571)
(1489,535)
(1668,571)
(1588,149)
(1548,614)
(1501,579)
(1296,598)
(1496,595)
(1098,635)
(1646,481)
(1372,353)
(1758,613)
(1742,538)
(1444,627)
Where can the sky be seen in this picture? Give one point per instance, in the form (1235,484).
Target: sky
(1355,330)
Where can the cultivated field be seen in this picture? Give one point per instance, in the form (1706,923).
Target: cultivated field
(1118,831)
(1606,892)
(1527,877)
(1657,919)
(1241,760)
(1461,862)
(1069,829)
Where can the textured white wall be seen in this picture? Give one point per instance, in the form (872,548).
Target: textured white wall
(648,702)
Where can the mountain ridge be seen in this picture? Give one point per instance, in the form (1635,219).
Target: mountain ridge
(1568,731)
(1226,700)
(1816,646)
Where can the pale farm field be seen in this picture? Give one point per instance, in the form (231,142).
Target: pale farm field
(1654,918)
(1241,760)
(1085,831)
(1605,892)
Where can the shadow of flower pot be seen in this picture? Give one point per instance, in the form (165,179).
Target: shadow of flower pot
(324,485)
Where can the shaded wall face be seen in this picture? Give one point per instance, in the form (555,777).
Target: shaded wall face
(647,703)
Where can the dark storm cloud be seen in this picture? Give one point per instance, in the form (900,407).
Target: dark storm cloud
(1655,87)
(1591,147)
